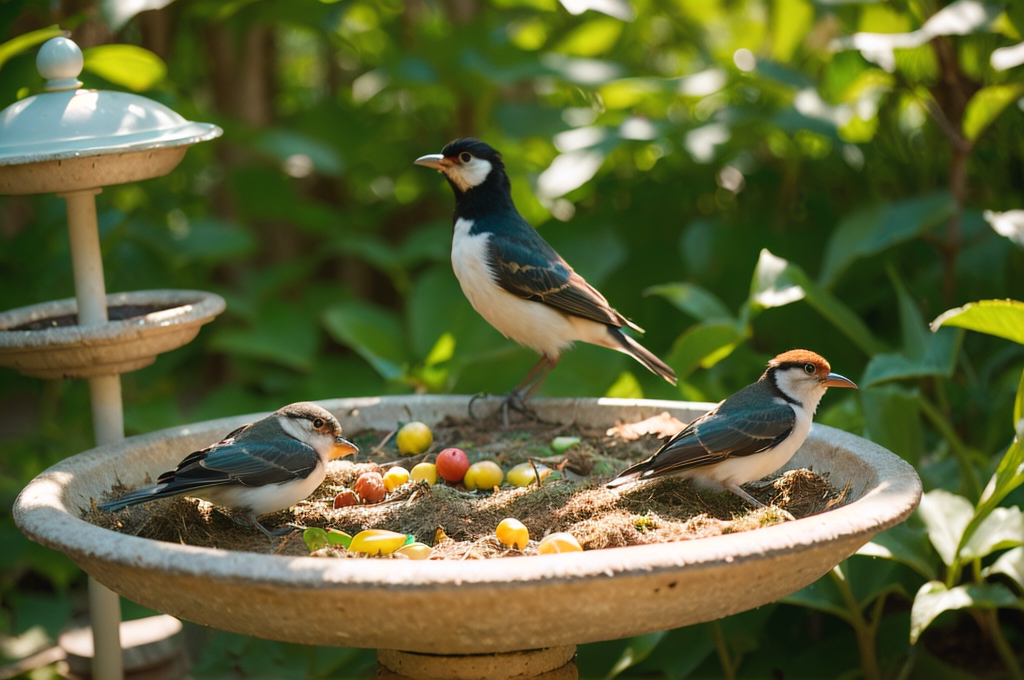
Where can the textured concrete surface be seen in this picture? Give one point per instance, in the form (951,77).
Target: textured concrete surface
(84,351)
(471,607)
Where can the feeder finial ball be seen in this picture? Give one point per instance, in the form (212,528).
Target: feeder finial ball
(60,62)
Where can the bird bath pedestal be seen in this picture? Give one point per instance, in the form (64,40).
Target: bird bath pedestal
(516,617)
(71,142)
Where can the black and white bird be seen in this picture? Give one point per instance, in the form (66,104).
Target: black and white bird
(261,467)
(514,279)
(751,434)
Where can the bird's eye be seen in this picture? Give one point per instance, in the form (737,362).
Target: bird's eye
(465,157)
(809,369)
(318,423)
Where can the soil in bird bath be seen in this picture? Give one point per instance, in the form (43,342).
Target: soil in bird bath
(572,499)
(115,313)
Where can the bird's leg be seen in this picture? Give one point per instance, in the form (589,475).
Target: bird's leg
(276,533)
(518,397)
(735,488)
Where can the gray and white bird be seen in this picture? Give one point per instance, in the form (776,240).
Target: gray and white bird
(261,467)
(514,279)
(751,434)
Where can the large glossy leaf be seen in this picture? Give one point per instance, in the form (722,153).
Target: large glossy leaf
(986,105)
(872,230)
(637,649)
(822,595)
(1011,565)
(892,418)
(906,544)
(372,332)
(283,334)
(1002,318)
(25,41)
(704,345)
(129,66)
(679,653)
(934,598)
(1002,529)
(945,516)
(777,282)
(698,302)
(922,354)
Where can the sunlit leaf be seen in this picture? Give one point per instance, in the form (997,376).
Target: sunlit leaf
(129,66)
(637,649)
(592,38)
(1002,529)
(1007,57)
(569,171)
(620,9)
(1009,224)
(25,41)
(698,302)
(704,345)
(791,20)
(372,332)
(946,516)
(777,282)
(1011,565)
(120,12)
(873,230)
(1001,318)
(934,598)
(986,105)
(626,387)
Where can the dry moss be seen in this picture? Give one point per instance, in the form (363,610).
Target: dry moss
(460,524)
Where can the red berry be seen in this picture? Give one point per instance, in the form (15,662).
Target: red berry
(370,487)
(452,464)
(345,499)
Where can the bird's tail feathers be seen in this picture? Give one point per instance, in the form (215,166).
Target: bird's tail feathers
(644,356)
(634,473)
(150,493)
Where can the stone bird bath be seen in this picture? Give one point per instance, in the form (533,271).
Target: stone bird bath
(514,617)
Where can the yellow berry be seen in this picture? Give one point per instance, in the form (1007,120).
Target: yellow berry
(414,438)
(377,542)
(395,477)
(483,475)
(512,533)
(415,551)
(424,471)
(561,542)
(523,474)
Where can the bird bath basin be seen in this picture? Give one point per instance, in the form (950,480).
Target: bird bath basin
(46,341)
(464,607)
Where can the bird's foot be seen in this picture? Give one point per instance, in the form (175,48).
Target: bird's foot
(271,534)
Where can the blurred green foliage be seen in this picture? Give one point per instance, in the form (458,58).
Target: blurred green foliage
(740,177)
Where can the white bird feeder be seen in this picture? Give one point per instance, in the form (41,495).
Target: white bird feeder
(72,142)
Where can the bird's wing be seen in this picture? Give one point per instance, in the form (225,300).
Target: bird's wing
(245,462)
(719,434)
(526,266)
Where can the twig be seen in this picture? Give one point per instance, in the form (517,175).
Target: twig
(376,450)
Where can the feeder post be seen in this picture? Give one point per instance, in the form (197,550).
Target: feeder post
(107,410)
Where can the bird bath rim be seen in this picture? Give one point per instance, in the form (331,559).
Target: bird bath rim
(605,593)
(84,350)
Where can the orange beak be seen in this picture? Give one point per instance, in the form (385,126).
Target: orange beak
(343,447)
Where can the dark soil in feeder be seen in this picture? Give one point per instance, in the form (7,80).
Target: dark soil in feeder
(116,313)
(460,524)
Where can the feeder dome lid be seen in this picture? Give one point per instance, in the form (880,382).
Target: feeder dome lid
(69,122)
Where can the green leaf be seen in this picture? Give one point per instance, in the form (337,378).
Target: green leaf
(120,12)
(704,345)
(777,282)
(315,539)
(637,649)
(1009,224)
(922,355)
(300,153)
(791,22)
(283,334)
(1002,529)
(873,230)
(1008,476)
(822,595)
(698,302)
(986,105)
(946,517)
(934,598)
(892,418)
(626,386)
(1001,318)
(592,38)
(905,544)
(562,444)
(26,41)
(129,66)
(335,537)
(373,332)
(679,653)
(1011,565)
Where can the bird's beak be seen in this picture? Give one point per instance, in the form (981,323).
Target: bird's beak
(431,160)
(343,447)
(836,380)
